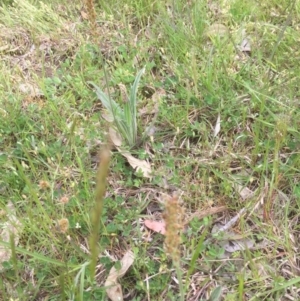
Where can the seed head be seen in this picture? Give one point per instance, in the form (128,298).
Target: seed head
(63,225)
(64,200)
(44,184)
(173,217)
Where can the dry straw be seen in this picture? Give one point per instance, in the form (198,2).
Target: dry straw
(90,6)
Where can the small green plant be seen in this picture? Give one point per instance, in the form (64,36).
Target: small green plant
(124,119)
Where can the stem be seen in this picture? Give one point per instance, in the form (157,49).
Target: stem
(97,212)
(179,277)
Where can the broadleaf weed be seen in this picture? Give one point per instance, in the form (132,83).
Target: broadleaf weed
(124,119)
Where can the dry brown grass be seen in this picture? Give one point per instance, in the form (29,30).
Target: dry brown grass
(90,6)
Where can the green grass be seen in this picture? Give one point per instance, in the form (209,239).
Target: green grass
(51,130)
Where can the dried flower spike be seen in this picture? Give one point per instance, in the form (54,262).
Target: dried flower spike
(173,217)
(64,200)
(44,184)
(90,5)
(63,225)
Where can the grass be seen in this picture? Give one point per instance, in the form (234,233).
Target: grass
(51,131)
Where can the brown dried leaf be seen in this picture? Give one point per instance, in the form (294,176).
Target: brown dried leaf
(140,165)
(115,137)
(113,288)
(84,15)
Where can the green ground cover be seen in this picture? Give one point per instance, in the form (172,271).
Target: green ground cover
(218,119)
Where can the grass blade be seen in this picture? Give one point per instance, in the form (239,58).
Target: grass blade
(107,102)
(196,254)
(133,98)
(38,256)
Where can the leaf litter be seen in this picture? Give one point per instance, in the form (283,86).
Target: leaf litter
(245,45)
(113,288)
(217,126)
(115,137)
(156,226)
(139,165)
(160,226)
(230,241)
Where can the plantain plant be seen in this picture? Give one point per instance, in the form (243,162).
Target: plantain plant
(124,119)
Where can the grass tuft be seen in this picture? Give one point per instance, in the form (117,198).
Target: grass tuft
(220,102)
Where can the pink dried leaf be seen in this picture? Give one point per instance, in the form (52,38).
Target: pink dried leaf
(156,226)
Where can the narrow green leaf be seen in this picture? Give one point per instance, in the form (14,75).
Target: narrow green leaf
(196,253)
(38,256)
(108,103)
(216,294)
(128,119)
(133,93)
(284,285)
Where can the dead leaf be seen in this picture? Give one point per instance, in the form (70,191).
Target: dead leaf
(150,130)
(238,245)
(113,288)
(115,137)
(217,126)
(244,192)
(242,180)
(30,89)
(107,116)
(216,30)
(159,227)
(245,46)
(231,241)
(140,165)
(230,223)
(84,15)
(10,228)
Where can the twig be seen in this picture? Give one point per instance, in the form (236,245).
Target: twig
(206,212)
